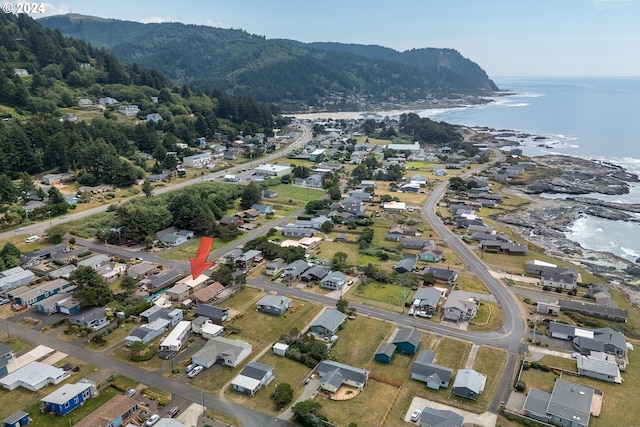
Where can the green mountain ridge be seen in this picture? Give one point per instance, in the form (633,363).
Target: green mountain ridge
(286,72)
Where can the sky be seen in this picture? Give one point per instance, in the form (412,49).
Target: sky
(572,38)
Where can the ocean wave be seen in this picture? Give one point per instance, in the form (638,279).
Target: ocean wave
(629,252)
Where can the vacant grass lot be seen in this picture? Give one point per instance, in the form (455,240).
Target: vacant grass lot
(359,339)
(490,318)
(384,295)
(300,195)
(189,249)
(452,352)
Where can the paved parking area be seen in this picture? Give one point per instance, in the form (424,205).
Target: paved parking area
(36,354)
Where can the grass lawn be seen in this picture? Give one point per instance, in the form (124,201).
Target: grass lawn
(491,362)
(189,249)
(117,336)
(560,362)
(296,193)
(366,409)
(241,300)
(329,249)
(452,352)
(78,414)
(490,317)
(386,295)
(471,283)
(359,339)
(123,354)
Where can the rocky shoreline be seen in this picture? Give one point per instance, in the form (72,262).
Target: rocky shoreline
(545,221)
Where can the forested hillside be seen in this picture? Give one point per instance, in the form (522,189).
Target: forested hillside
(45,78)
(328,75)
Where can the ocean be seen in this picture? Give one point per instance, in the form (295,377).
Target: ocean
(593,118)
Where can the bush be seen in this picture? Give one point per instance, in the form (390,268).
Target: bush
(535,365)
(545,368)
(521,386)
(526,366)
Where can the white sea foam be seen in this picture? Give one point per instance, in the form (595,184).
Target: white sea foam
(630,252)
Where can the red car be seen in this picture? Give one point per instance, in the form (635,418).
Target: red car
(172,412)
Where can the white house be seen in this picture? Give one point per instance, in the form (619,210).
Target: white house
(177,337)
(34,376)
(252,378)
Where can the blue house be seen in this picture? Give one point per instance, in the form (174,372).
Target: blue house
(153,117)
(407,340)
(68,397)
(18,419)
(263,209)
(274,304)
(385,352)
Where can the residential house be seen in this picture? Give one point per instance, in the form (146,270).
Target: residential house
(62,272)
(17,419)
(263,209)
(315,273)
(94,261)
(334,280)
(385,351)
(94,318)
(396,207)
(586,340)
(297,232)
(443,275)
(408,243)
(177,338)
(460,307)
(364,184)
(20,72)
(218,315)
(107,100)
(328,323)
(469,384)
(33,376)
(333,375)
(224,350)
(430,255)
(50,252)
(405,265)
(111,270)
(360,194)
(599,365)
(568,405)
(407,340)
(142,270)
(269,194)
(275,266)
(173,240)
(230,220)
(6,352)
(84,102)
(129,110)
(50,305)
(425,369)
(432,417)
(294,270)
(252,378)
(68,305)
(503,247)
(548,308)
(565,281)
(14,278)
(114,413)
(159,320)
(55,179)
(153,117)
(159,281)
(208,293)
(353,206)
(274,304)
(68,397)
(594,310)
(426,299)
(249,257)
(30,296)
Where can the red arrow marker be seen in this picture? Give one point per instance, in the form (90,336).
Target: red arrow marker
(200,264)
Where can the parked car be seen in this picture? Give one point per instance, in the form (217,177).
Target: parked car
(415,415)
(411,311)
(152,420)
(195,371)
(131,392)
(4,301)
(423,314)
(189,367)
(33,238)
(172,412)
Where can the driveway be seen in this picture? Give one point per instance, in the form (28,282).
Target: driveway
(309,392)
(486,419)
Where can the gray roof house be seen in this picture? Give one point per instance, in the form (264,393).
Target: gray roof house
(405,265)
(459,306)
(601,366)
(315,273)
(407,340)
(274,266)
(215,313)
(425,369)
(440,418)
(569,404)
(274,304)
(294,270)
(408,243)
(252,378)
(469,383)
(334,280)
(441,274)
(220,349)
(333,375)
(327,323)
(426,299)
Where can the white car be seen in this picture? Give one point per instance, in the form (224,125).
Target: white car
(415,415)
(31,239)
(195,371)
(152,420)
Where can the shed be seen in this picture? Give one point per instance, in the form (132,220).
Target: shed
(384,352)
(280,348)
(17,419)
